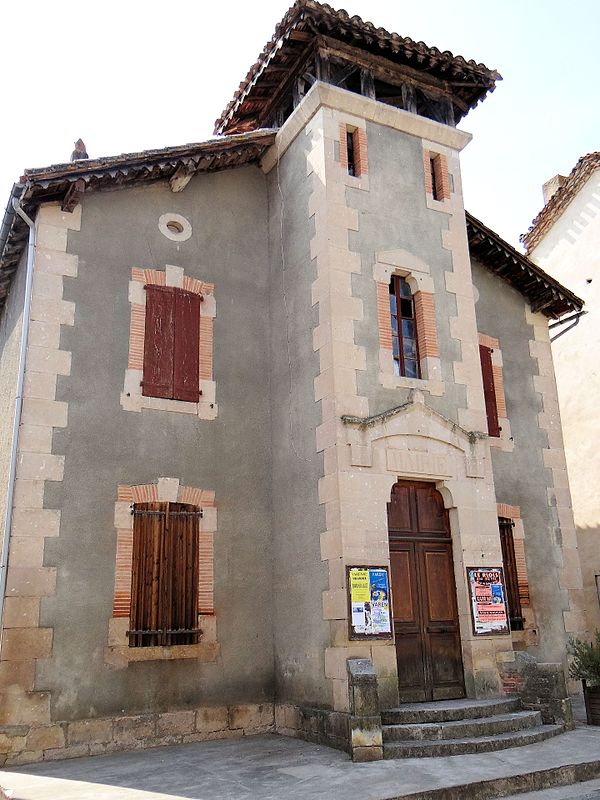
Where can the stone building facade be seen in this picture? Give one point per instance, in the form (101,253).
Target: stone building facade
(305,420)
(565,241)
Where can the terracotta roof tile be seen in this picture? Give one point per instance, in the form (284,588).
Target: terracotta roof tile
(313,17)
(560,200)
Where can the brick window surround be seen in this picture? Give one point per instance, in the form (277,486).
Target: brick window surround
(359,141)
(165,490)
(132,398)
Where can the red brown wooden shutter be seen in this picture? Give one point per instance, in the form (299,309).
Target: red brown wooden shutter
(187,347)
(159,341)
(489,391)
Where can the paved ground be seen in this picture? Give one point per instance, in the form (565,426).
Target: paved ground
(275,767)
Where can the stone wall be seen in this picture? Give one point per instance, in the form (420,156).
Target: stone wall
(24,744)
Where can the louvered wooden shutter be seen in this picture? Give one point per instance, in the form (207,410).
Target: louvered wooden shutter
(187,345)
(485,354)
(511,575)
(183,529)
(521,565)
(165,570)
(159,341)
(149,525)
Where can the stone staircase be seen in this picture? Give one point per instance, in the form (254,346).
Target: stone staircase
(459,727)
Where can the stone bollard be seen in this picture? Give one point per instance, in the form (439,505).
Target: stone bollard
(366,743)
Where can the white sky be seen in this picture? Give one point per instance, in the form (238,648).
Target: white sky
(131,75)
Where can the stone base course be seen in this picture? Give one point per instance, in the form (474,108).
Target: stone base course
(24,744)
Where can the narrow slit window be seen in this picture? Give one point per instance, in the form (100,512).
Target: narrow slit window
(435,187)
(404,330)
(350,135)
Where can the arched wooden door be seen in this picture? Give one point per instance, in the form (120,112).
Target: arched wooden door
(424,595)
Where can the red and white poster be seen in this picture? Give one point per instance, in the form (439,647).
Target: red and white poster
(488,600)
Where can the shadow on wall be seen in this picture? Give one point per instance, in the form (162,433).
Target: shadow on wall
(588,545)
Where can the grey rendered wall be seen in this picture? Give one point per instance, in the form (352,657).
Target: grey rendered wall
(300,576)
(520,476)
(105,446)
(10,340)
(393,216)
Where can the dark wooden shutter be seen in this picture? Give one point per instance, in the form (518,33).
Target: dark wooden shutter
(165,573)
(187,346)
(159,341)
(183,529)
(489,390)
(521,565)
(149,524)
(511,576)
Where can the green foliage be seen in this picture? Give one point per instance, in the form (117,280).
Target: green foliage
(585,663)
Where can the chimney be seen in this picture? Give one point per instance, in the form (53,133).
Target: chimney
(79,152)
(552,186)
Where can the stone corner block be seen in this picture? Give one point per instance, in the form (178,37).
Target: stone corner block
(363,754)
(209,720)
(86,731)
(251,716)
(175,723)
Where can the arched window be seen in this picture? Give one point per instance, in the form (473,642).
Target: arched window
(404,331)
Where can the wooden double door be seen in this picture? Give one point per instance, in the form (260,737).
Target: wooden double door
(424,607)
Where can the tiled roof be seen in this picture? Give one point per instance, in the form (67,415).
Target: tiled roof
(543,292)
(307,19)
(560,200)
(55,182)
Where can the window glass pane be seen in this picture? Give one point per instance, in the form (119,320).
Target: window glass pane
(396,367)
(396,349)
(410,368)
(395,325)
(409,348)
(406,308)
(408,328)
(404,288)
(393,303)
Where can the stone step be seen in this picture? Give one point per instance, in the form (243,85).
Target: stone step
(479,744)
(448,710)
(463,728)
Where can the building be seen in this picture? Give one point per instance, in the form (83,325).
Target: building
(253,364)
(565,240)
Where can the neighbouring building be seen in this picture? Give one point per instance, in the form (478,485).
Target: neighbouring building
(564,239)
(253,364)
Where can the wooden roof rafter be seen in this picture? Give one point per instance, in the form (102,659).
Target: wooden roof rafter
(65,183)
(543,292)
(308,18)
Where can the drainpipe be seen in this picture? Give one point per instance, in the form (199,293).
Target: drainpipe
(574,320)
(18,406)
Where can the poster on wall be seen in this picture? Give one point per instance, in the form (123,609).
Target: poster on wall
(369,603)
(488,601)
